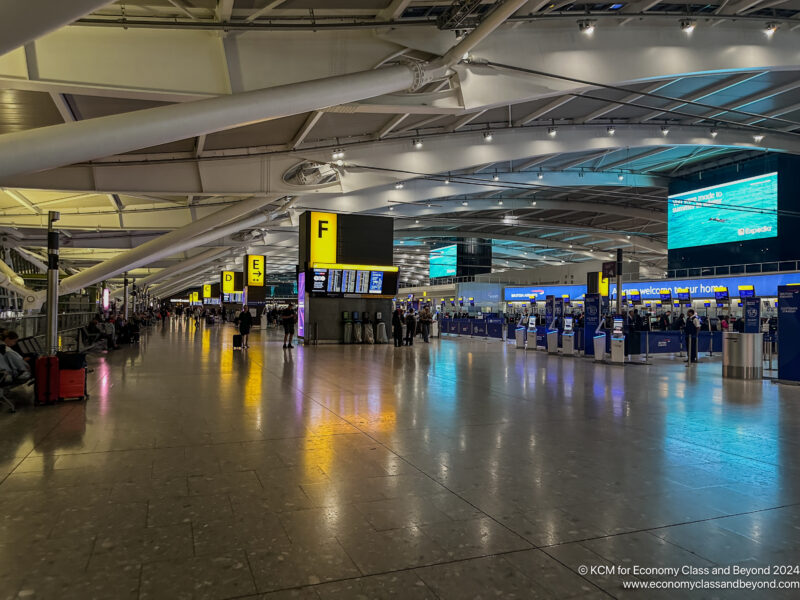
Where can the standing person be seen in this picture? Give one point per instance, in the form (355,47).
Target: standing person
(425,320)
(288,317)
(691,330)
(411,327)
(397,327)
(245,323)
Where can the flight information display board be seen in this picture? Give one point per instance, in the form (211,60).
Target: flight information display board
(746,209)
(337,282)
(442,262)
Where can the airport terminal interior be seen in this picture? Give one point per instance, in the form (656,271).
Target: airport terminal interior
(399,299)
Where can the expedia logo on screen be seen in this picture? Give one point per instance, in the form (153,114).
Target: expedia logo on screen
(755,230)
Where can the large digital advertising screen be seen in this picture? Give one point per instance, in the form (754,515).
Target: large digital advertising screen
(442,262)
(737,211)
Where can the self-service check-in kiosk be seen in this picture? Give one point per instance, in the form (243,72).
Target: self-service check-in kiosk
(531,333)
(568,338)
(617,342)
(552,341)
(520,333)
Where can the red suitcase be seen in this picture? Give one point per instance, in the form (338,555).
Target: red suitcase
(46,375)
(72,384)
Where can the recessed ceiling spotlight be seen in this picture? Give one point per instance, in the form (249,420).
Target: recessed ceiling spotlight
(487,137)
(688,25)
(664,130)
(398,185)
(611,130)
(770,29)
(713,132)
(552,131)
(418,143)
(587,26)
(757,138)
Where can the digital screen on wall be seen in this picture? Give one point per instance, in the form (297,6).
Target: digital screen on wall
(746,209)
(720,294)
(442,262)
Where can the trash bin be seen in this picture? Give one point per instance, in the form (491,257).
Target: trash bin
(742,355)
(520,334)
(600,346)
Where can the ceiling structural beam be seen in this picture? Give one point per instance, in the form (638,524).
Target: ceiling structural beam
(306,128)
(224,10)
(185,265)
(465,120)
(22,23)
(393,11)
(702,93)
(540,112)
(199,145)
(751,99)
(634,158)
(638,6)
(784,110)
(184,8)
(535,161)
(393,122)
(23,201)
(264,10)
(627,99)
(582,159)
(422,124)
(63,107)
(33,258)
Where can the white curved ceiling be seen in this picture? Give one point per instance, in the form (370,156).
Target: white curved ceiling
(587,130)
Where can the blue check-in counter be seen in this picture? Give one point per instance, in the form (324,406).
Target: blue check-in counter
(668,342)
(475,327)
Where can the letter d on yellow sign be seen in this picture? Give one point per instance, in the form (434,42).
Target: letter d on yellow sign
(323,238)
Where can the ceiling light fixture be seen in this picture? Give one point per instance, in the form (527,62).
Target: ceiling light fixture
(464,203)
(552,131)
(398,185)
(611,130)
(620,177)
(447,181)
(391,208)
(533,203)
(713,132)
(540,175)
(418,143)
(664,130)
(770,29)
(500,202)
(495,177)
(487,137)
(587,26)
(757,138)
(688,25)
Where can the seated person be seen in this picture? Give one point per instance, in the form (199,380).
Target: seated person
(13,369)
(11,339)
(97,332)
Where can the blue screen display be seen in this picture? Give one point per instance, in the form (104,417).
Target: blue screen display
(731,212)
(375,282)
(443,262)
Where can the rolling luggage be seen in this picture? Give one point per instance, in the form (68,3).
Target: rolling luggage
(237,342)
(46,379)
(72,384)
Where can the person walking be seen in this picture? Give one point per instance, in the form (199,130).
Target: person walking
(397,327)
(425,320)
(288,317)
(411,327)
(691,330)
(245,324)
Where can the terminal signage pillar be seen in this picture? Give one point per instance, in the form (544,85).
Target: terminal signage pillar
(752,314)
(591,322)
(789,337)
(549,309)
(558,308)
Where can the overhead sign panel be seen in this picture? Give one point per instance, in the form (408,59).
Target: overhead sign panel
(255,270)
(232,282)
(207,290)
(323,238)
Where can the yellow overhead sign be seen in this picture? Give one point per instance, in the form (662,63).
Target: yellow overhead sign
(318,265)
(323,238)
(207,291)
(194,297)
(228,285)
(255,270)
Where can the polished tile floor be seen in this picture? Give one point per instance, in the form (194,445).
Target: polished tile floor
(459,469)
